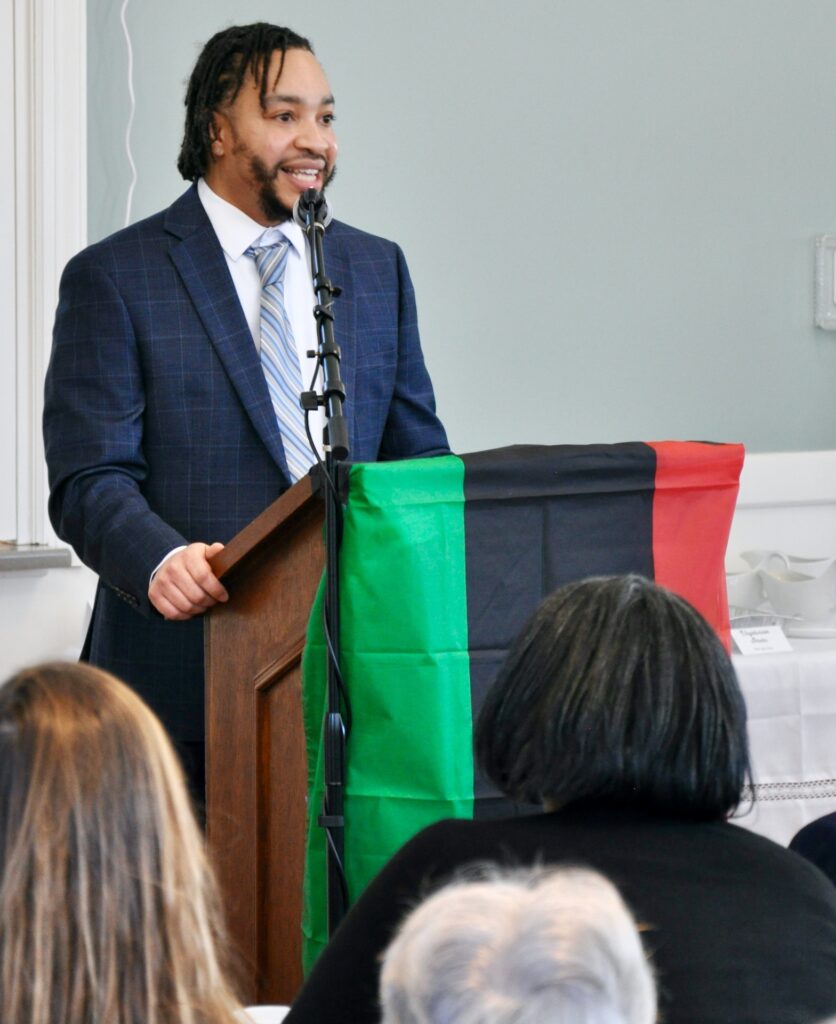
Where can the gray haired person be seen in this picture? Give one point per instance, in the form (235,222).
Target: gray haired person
(519,948)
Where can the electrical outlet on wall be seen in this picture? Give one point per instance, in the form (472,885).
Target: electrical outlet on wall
(826,282)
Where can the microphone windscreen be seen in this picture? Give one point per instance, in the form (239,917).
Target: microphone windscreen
(309,200)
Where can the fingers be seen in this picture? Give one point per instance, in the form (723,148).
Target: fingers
(185,585)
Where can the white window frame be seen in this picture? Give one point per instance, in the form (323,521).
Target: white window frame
(8,363)
(50,193)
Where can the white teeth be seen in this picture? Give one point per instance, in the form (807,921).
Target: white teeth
(304,174)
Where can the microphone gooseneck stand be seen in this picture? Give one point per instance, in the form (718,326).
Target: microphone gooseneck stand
(313,214)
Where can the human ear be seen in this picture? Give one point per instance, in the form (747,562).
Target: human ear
(216,136)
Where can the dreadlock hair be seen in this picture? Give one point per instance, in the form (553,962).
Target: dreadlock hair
(217,79)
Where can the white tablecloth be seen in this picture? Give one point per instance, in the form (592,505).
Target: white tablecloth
(791,704)
(263,1014)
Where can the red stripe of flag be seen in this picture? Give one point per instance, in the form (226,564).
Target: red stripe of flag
(693,503)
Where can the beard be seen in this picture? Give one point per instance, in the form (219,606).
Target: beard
(274,210)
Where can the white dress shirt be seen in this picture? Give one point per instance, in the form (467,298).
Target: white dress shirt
(237,232)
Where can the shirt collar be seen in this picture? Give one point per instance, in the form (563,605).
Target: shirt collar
(237,232)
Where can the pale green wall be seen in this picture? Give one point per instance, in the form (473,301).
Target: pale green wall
(608,206)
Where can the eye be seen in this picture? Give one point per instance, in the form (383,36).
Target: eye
(285,116)
(329,118)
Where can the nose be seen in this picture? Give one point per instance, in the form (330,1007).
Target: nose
(316,138)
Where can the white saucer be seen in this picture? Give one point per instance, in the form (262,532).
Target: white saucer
(811,630)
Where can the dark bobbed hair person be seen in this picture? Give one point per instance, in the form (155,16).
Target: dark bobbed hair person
(108,910)
(617,690)
(619,710)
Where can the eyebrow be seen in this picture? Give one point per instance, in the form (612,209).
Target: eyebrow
(326,101)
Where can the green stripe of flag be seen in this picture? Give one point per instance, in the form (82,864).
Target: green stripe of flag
(406,664)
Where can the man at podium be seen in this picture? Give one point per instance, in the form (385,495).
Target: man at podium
(180,347)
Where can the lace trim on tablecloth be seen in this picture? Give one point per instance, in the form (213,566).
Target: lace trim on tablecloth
(769,791)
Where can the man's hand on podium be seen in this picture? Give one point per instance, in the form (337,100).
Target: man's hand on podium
(184,585)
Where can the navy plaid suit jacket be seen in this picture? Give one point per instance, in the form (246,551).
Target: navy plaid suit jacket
(159,429)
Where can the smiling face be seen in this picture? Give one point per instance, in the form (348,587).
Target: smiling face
(264,155)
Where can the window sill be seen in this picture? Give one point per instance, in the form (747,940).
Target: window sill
(29,557)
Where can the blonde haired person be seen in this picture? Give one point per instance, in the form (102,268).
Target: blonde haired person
(519,948)
(108,911)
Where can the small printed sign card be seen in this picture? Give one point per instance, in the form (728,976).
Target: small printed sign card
(760,640)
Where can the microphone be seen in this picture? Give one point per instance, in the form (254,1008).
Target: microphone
(312,208)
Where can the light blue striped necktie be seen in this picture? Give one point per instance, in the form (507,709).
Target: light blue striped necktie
(279,357)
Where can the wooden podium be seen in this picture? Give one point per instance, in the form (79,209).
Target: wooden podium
(256,768)
(500,530)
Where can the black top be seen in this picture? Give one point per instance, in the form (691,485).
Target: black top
(739,930)
(817,842)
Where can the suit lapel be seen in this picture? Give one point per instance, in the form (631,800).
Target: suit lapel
(200,261)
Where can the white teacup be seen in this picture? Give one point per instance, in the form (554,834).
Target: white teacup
(774,561)
(745,590)
(810,597)
(765,559)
